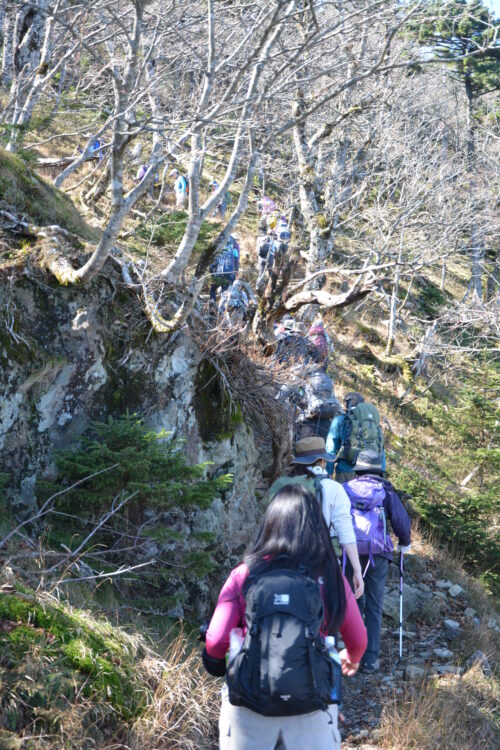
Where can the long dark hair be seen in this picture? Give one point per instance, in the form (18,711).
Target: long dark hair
(293,532)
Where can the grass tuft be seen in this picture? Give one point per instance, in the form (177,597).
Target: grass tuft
(185,707)
(450,712)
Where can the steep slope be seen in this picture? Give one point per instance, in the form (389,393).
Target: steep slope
(22,189)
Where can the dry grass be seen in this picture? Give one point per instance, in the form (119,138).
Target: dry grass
(50,699)
(184,711)
(456,713)
(447,563)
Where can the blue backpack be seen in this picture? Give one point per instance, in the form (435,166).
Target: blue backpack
(224,267)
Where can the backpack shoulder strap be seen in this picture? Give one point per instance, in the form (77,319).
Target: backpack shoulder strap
(318,489)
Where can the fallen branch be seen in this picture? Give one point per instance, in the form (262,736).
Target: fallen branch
(115,573)
(47,506)
(325,299)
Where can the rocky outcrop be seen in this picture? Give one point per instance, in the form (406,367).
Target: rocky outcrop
(69,356)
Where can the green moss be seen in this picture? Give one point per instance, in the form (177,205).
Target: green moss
(32,196)
(76,650)
(217,416)
(11,350)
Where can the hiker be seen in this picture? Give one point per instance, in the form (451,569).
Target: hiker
(292,345)
(236,302)
(221,207)
(265,206)
(317,407)
(95,149)
(286,595)
(357,429)
(282,231)
(308,468)
(284,326)
(279,262)
(224,268)
(292,342)
(374,501)
(181,188)
(266,247)
(319,338)
(141,174)
(272,222)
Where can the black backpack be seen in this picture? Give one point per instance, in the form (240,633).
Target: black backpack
(283,668)
(265,246)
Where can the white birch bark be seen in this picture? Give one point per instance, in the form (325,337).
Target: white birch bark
(8,44)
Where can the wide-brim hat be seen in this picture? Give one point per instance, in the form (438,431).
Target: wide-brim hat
(368,461)
(311,449)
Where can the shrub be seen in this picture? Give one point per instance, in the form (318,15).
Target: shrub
(123,463)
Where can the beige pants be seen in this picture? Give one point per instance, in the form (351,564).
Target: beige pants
(242,729)
(180,199)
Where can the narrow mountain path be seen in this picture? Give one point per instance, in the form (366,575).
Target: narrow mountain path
(437,614)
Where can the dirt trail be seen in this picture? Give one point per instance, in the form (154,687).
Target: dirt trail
(438,612)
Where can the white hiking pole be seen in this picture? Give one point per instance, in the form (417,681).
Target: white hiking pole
(400,607)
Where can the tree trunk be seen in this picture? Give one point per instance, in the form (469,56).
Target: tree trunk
(476,249)
(31,50)
(442,284)
(492,289)
(393,310)
(309,207)
(9,24)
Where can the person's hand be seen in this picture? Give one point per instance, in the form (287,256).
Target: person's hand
(358,583)
(404,548)
(348,667)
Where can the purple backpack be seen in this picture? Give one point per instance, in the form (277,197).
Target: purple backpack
(368,516)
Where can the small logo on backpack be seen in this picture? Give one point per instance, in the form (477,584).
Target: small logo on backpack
(285,697)
(282,599)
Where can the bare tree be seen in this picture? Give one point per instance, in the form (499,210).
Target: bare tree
(183,83)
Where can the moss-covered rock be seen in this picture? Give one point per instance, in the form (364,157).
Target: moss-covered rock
(217,415)
(31,196)
(51,653)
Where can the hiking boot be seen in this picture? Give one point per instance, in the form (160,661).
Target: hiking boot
(370,667)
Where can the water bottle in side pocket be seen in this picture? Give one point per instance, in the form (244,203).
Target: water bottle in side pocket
(235,643)
(336,691)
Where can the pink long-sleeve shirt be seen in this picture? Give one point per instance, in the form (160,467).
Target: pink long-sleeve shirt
(230,613)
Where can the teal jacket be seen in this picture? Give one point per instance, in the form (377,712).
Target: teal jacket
(333,443)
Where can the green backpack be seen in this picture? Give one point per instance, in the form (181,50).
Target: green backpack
(360,431)
(313,484)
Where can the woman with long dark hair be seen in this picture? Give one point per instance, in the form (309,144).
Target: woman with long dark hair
(293,535)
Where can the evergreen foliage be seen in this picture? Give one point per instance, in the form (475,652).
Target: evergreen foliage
(160,489)
(463,515)
(169,229)
(464,28)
